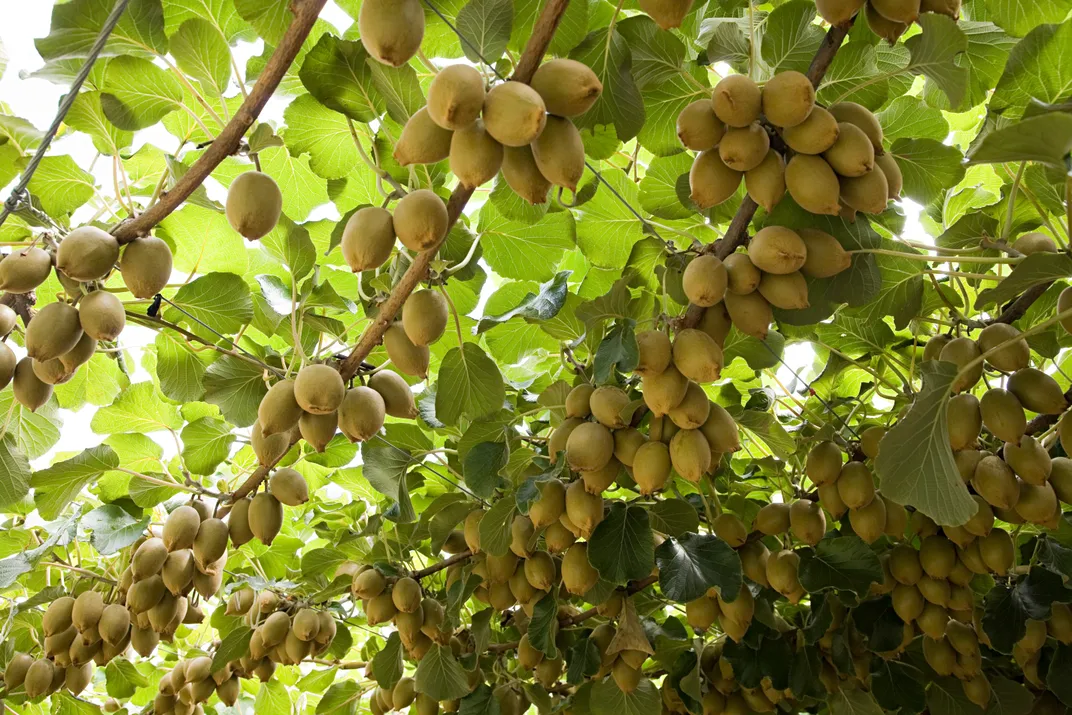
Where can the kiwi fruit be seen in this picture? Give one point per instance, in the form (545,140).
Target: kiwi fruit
(30,391)
(101,315)
(279,409)
(368,238)
(521,536)
(578,575)
(559,153)
(422,141)
(420,220)
(965,419)
(744,148)
(711,182)
(807,523)
(361,414)
(579,401)
(887,29)
(456,96)
(148,558)
(701,613)
(944,7)
(887,164)
(1029,460)
(146,266)
(730,529)
(21,271)
(410,359)
(55,330)
(424,317)
(772,519)
(289,487)
(238,522)
(178,571)
(16,669)
(716,322)
(654,352)
(87,254)
(995,482)
(737,100)
(751,314)
(396,393)
(51,372)
(697,356)
(856,485)
(765,182)
(1037,502)
(785,291)
(254,205)
(114,624)
(369,583)
(782,572)
(610,406)
(902,11)
(626,443)
(824,463)
(997,551)
(38,678)
(1034,242)
(963,352)
(704,281)
(867,194)
(475,158)
(664,391)
(569,88)
(937,556)
(559,436)
(1037,391)
(265,517)
(211,541)
(815,135)
(8,320)
(651,467)
(590,447)
(698,128)
(693,410)
(1015,355)
(824,255)
(852,155)
(514,114)
(861,117)
(269,449)
(391,30)
(667,14)
(742,275)
(319,389)
(521,173)
(549,507)
(181,527)
(813,184)
(690,454)
(788,99)
(87,610)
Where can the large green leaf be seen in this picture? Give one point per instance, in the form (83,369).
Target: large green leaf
(621,548)
(205,444)
(337,73)
(138,94)
(139,408)
(202,52)
(620,103)
(842,563)
(57,486)
(484,29)
(694,563)
(76,25)
(440,676)
(220,301)
(475,385)
(14,472)
(113,528)
(237,387)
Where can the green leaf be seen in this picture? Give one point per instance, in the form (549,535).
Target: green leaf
(534,306)
(620,104)
(791,37)
(179,369)
(387,664)
(617,351)
(1010,697)
(219,300)
(525,249)
(202,53)
(340,699)
(915,465)
(476,385)
(484,29)
(945,696)
(206,443)
(481,701)
(139,408)
(621,548)
(673,517)
(270,18)
(482,466)
(236,387)
(400,89)
(608,699)
(440,676)
(235,645)
(337,73)
(58,485)
(935,52)
(221,14)
(1036,70)
(60,185)
(272,699)
(853,702)
(606,228)
(122,678)
(1046,138)
(897,685)
(1018,18)
(76,25)
(843,563)
(543,627)
(495,527)
(929,168)
(693,563)
(203,241)
(113,528)
(662,186)
(911,118)
(87,115)
(14,472)
(324,135)
(1034,270)
(290,244)
(137,94)
(385,469)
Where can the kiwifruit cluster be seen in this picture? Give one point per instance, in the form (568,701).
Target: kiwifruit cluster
(420,620)
(285,632)
(63,336)
(190,683)
(830,160)
(524,130)
(889,19)
(724,693)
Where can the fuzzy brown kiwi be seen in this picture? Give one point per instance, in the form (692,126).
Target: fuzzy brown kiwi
(559,153)
(813,184)
(420,220)
(265,517)
(697,356)
(254,205)
(475,157)
(751,314)
(654,352)
(361,414)
(29,390)
(269,449)
(1037,391)
(319,389)
(716,323)
(704,280)
(664,391)
(521,173)
(590,447)
(885,28)
(368,238)
(965,419)
(101,315)
(146,266)
(737,100)
(766,182)
(962,352)
(408,358)
(289,487)
(422,141)
(569,88)
(456,96)
(887,164)
(712,182)
(87,254)
(788,99)
(807,522)
(698,128)
(742,275)
(867,194)
(396,393)
(318,430)
(279,409)
(852,155)
(391,30)
(667,14)
(211,541)
(693,410)
(21,271)
(815,135)
(902,11)
(744,148)
(514,114)
(1015,355)
(238,522)
(825,255)
(55,330)
(787,291)
(690,454)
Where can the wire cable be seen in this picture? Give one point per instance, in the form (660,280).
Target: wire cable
(19,194)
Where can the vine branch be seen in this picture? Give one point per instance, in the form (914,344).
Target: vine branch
(230,139)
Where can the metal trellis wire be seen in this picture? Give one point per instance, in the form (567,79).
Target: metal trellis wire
(19,194)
